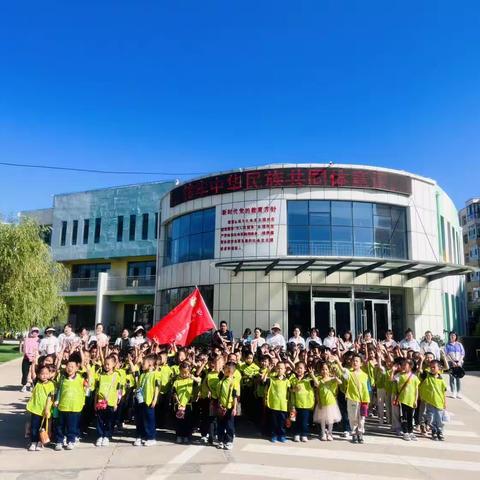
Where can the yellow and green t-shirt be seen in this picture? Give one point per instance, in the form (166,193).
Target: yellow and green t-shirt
(357,386)
(302,393)
(41,392)
(164,377)
(227,391)
(72,393)
(108,385)
(249,372)
(209,384)
(277,393)
(407,392)
(183,388)
(432,390)
(327,392)
(147,383)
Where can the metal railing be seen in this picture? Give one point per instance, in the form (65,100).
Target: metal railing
(83,284)
(130,282)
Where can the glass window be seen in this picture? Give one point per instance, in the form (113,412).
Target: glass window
(298,213)
(145,226)
(342,213)
(119,228)
(74,232)
(141,274)
(86,229)
(98,227)
(190,237)
(346,228)
(89,270)
(63,236)
(170,298)
(156,225)
(362,214)
(133,227)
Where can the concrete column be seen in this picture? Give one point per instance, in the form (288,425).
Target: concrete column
(102,302)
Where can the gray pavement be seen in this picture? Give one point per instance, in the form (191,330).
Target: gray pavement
(382,456)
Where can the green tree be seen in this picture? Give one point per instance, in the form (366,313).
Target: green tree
(30,281)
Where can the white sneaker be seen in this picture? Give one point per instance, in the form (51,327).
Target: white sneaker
(304,439)
(24,389)
(70,446)
(150,443)
(99,442)
(137,442)
(459,395)
(413,437)
(220,445)
(179,440)
(323,438)
(296,438)
(346,434)
(32,447)
(454,395)
(204,440)
(105,442)
(58,447)
(39,446)
(329,437)
(228,446)
(406,437)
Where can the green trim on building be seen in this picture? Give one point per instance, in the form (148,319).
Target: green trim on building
(132,298)
(81,300)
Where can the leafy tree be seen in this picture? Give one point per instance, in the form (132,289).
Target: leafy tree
(30,281)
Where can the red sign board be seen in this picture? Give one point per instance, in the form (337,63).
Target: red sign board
(326,177)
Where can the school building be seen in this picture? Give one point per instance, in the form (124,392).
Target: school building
(107,238)
(347,246)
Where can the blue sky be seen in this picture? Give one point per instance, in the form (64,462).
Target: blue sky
(188,86)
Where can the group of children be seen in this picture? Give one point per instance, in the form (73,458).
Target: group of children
(161,386)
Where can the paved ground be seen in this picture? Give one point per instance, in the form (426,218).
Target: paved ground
(381,457)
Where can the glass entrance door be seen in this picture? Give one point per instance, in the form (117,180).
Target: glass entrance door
(376,317)
(331,312)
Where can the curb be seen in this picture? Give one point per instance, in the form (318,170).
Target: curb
(10,362)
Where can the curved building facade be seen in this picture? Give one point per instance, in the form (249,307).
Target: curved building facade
(348,246)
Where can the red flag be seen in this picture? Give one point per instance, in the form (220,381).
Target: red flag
(184,323)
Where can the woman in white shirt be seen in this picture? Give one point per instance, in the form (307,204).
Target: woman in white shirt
(313,338)
(297,339)
(331,341)
(257,340)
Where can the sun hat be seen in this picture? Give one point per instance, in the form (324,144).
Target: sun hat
(276,325)
(49,329)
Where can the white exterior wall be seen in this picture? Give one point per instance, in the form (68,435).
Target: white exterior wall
(254,299)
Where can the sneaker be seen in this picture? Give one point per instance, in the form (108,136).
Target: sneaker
(150,443)
(99,442)
(434,436)
(137,442)
(329,437)
(304,439)
(354,439)
(440,436)
(423,429)
(454,395)
(70,446)
(228,446)
(24,389)
(39,447)
(296,438)
(459,396)
(220,445)
(186,440)
(282,439)
(360,438)
(346,434)
(406,437)
(179,440)
(106,442)
(58,447)
(32,447)
(323,438)
(413,438)
(273,439)
(204,440)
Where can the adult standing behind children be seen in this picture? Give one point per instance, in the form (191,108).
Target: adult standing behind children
(429,345)
(49,343)
(29,348)
(455,354)
(275,337)
(67,340)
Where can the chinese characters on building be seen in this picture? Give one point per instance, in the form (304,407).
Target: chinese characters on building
(328,177)
(247,226)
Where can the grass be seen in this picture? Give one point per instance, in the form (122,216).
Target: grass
(8,352)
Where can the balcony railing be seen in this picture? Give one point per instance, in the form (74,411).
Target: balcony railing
(113,283)
(131,282)
(83,284)
(345,249)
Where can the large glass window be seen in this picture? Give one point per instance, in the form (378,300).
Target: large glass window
(63,236)
(171,297)
(141,273)
(190,237)
(341,228)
